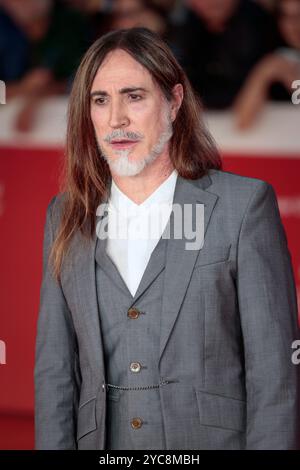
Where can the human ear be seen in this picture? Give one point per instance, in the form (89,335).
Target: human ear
(177,98)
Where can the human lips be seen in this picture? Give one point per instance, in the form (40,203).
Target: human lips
(123,143)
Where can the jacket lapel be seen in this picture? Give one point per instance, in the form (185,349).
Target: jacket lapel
(179,260)
(84,273)
(154,267)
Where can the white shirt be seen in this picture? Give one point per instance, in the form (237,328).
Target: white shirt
(134,229)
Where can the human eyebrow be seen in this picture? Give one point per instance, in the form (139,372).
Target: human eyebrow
(132,89)
(122,91)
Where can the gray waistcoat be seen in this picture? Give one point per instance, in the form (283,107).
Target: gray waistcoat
(134,416)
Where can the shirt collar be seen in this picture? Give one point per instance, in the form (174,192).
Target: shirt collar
(163,194)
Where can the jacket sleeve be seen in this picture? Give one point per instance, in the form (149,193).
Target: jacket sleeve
(55,356)
(268,311)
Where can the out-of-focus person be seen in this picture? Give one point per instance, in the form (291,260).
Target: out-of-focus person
(97,13)
(219,43)
(90,6)
(50,39)
(268,4)
(138,13)
(108,15)
(273,75)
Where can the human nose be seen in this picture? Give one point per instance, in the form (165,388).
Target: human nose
(118,115)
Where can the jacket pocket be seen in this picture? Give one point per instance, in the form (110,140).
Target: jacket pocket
(86,421)
(213,255)
(221,412)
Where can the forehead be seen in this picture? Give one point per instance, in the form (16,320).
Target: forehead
(120,68)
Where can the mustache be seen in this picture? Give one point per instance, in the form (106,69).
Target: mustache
(120,134)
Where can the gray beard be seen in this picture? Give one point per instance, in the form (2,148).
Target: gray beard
(123,166)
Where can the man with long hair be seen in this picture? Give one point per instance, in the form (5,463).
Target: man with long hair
(153,342)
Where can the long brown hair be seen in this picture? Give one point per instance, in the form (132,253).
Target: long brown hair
(86,175)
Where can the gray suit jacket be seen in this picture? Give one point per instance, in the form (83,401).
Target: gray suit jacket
(229,317)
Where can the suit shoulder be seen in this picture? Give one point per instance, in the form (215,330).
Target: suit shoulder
(233,182)
(56,201)
(55,206)
(237,191)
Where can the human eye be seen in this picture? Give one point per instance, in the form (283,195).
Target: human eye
(135,97)
(99,101)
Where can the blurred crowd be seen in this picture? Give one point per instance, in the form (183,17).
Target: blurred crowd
(236,53)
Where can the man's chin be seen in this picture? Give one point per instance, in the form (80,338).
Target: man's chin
(127,164)
(122,166)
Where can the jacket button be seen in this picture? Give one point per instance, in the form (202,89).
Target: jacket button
(135,367)
(136,423)
(133,313)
